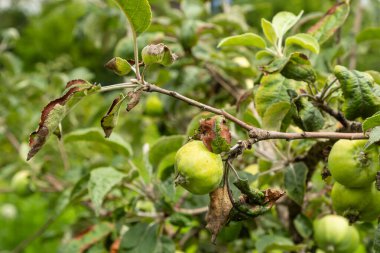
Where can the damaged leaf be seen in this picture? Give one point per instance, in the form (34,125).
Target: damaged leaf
(119,66)
(134,99)
(159,53)
(215,134)
(330,22)
(56,110)
(219,209)
(109,121)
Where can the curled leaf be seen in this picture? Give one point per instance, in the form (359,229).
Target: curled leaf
(56,110)
(219,209)
(134,99)
(159,53)
(299,68)
(119,66)
(215,134)
(109,121)
(357,87)
(330,22)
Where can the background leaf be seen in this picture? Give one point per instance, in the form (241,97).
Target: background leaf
(295,181)
(102,180)
(114,142)
(368,34)
(246,39)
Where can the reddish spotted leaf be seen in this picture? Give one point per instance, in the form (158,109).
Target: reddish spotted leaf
(56,110)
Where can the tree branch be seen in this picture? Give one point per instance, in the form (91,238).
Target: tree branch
(256,134)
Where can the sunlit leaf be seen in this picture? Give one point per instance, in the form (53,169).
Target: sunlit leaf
(269,31)
(303,40)
(272,90)
(374,136)
(371,122)
(274,115)
(138,13)
(246,39)
(283,21)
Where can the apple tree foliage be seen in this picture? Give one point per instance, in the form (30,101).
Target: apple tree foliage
(114,88)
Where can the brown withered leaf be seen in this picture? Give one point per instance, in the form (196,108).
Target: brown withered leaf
(109,121)
(272,195)
(218,213)
(215,134)
(134,99)
(56,110)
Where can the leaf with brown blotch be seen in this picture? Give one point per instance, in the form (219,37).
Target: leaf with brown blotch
(109,121)
(56,110)
(134,99)
(215,134)
(218,213)
(330,22)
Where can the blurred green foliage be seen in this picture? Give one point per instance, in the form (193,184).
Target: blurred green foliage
(69,39)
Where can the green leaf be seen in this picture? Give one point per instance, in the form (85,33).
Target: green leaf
(360,100)
(159,53)
(139,238)
(109,121)
(368,34)
(274,115)
(376,240)
(102,180)
(371,122)
(299,68)
(295,181)
(283,21)
(374,136)
(269,31)
(114,142)
(138,12)
(330,22)
(375,75)
(246,39)
(308,117)
(165,245)
(303,225)
(54,112)
(96,233)
(164,146)
(303,40)
(267,243)
(119,66)
(272,90)
(274,66)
